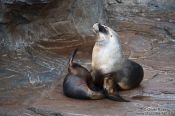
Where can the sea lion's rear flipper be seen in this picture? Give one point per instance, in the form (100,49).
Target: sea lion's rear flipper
(115,97)
(111,90)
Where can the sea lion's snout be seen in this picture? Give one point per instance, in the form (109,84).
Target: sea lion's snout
(97,27)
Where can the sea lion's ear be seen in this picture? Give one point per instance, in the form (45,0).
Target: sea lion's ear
(102,29)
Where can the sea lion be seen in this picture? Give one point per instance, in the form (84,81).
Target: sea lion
(109,62)
(78,82)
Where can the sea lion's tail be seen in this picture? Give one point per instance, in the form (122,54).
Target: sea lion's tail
(72,56)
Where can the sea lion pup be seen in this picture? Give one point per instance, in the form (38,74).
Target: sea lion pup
(108,62)
(78,82)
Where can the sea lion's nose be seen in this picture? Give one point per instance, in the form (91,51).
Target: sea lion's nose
(96,27)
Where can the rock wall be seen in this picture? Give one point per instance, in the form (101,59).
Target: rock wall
(26,22)
(138,15)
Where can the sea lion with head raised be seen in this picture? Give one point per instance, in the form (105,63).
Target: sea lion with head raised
(78,82)
(109,63)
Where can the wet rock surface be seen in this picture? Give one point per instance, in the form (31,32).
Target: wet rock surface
(155,96)
(35,92)
(37,37)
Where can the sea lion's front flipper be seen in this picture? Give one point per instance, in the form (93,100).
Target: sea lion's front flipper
(111,90)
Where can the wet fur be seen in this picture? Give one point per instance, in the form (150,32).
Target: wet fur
(108,62)
(78,82)
(130,75)
(121,76)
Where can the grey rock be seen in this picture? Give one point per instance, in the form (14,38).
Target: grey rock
(37,20)
(30,2)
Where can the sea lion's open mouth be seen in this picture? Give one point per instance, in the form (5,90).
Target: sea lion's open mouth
(102,29)
(97,27)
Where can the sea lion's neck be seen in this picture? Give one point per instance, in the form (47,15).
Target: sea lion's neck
(113,45)
(116,52)
(117,45)
(101,43)
(108,56)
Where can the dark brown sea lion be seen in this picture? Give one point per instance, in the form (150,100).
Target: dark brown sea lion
(109,62)
(78,82)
